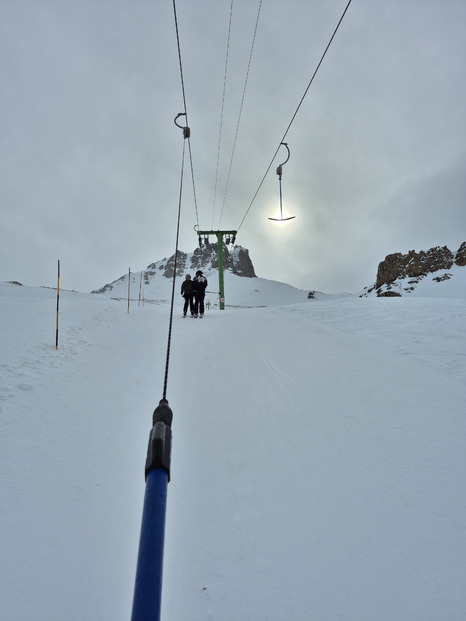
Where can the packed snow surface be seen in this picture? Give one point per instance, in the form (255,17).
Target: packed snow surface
(318,464)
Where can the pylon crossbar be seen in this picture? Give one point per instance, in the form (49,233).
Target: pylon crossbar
(216,232)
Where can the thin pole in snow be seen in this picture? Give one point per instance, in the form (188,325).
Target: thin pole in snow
(129,285)
(58,303)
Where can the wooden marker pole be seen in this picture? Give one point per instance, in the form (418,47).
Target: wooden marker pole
(58,303)
(129,285)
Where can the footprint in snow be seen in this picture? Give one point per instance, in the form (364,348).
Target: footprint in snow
(26,387)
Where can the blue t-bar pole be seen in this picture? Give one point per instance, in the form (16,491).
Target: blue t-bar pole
(148,585)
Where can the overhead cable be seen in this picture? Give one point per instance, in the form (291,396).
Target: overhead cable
(221,113)
(185,108)
(240,110)
(295,113)
(170,323)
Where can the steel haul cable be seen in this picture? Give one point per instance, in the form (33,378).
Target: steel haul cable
(185,107)
(221,113)
(167,361)
(186,135)
(295,113)
(148,584)
(240,110)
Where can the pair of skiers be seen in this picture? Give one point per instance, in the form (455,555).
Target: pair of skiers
(193,292)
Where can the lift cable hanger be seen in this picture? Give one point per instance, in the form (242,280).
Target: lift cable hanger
(295,113)
(186,130)
(279,173)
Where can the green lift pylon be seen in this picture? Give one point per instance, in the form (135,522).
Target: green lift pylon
(219,234)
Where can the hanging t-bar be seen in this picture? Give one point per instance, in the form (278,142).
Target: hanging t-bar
(279,173)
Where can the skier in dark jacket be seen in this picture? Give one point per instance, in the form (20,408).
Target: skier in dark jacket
(187,293)
(199,287)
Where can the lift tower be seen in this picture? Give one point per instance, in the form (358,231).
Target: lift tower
(219,234)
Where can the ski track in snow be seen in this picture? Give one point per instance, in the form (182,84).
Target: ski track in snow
(317,468)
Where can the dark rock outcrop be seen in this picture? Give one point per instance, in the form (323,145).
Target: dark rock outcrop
(167,266)
(206,257)
(399,273)
(110,286)
(237,260)
(180,265)
(413,265)
(241,263)
(460,257)
(389,294)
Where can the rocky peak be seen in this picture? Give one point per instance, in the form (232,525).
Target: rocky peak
(206,259)
(241,263)
(415,266)
(169,267)
(236,260)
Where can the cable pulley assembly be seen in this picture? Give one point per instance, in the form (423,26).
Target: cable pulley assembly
(279,173)
(186,130)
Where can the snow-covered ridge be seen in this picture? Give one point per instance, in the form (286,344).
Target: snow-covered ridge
(156,281)
(238,291)
(449,283)
(402,274)
(205,258)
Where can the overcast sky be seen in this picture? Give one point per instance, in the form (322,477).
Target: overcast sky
(91,158)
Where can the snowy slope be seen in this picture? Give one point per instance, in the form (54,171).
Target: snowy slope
(318,458)
(239,291)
